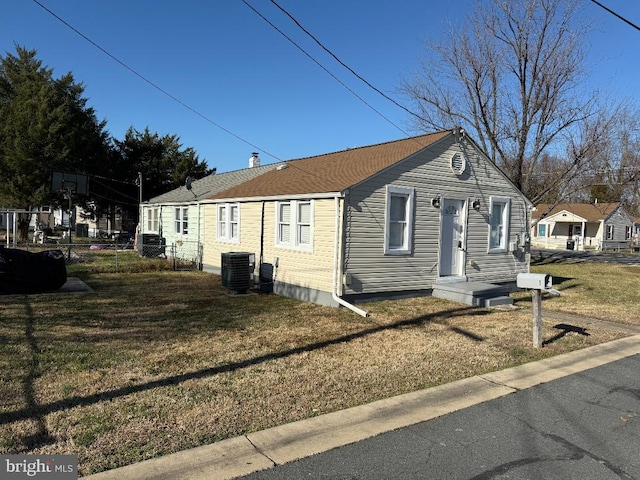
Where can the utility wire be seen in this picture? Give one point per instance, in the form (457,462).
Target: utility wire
(321,66)
(616,15)
(358,76)
(154,85)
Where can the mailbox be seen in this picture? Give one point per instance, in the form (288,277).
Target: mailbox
(537,281)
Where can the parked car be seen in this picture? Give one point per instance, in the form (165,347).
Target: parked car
(23,271)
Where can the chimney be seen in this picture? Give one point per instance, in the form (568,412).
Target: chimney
(254,161)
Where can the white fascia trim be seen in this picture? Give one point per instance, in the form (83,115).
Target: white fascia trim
(276,198)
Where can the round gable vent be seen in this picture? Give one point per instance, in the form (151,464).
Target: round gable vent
(458,163)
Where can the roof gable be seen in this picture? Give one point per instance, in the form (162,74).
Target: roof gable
(589,211)
(332,172)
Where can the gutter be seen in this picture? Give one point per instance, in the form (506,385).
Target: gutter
(336,253)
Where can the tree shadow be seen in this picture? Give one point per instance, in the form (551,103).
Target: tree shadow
(566,329)
(37,412)
(41,436)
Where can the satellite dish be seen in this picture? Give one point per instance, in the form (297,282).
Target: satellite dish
(187,183)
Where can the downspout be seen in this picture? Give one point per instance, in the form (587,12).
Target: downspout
(336,260)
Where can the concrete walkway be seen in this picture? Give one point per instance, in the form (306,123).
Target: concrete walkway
(261,450)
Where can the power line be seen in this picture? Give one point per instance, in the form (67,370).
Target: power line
(628,22)
(154,85)
(358,76)
(321,66)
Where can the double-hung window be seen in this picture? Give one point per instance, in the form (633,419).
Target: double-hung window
(294,224)
(499,224)
(398,220)
(627,233)
(228,222)
(182,220)
(542,229)
(153,219)
(609,232)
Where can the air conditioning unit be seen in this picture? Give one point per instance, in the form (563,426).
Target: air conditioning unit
(237,269)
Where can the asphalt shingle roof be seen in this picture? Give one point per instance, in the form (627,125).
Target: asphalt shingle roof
(210,185)
(589,211)
(331,172)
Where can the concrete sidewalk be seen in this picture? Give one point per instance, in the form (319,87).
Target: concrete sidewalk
(261,450)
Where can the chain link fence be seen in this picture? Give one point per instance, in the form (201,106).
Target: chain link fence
(106,256)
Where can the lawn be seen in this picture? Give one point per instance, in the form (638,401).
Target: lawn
(154,362)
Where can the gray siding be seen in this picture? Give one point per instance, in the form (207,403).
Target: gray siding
(429,173)
(620,221)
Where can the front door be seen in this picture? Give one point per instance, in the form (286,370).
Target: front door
(452,238)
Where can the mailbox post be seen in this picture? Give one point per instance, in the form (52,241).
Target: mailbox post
(537,282)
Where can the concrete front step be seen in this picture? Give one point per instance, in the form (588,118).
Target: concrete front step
(477,294)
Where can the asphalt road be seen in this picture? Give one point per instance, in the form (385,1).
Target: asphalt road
(583,426)
(545,256)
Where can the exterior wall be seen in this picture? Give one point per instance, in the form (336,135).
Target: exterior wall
(306,275)
(429,173)
(620,220)
(558,234)
(185,246)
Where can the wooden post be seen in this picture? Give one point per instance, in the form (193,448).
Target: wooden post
(536,300)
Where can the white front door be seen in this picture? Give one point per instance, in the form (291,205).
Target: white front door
(452,241)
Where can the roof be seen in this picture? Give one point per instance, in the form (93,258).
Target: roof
(331,172)
(589,211)
(210,185)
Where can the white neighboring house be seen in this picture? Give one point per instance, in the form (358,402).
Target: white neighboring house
(582,226)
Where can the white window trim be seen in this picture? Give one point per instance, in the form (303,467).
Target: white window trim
(609,231)
(227,238)
(546,229)
(153,219)
(407,247)
(294,240)
(180,221)
(627,232)
(506,220)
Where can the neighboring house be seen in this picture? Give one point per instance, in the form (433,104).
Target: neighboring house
(175,218)
(581,226)
(386,219)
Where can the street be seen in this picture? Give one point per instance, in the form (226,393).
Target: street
(583,426)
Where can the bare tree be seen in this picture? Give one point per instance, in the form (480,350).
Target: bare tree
(511,76)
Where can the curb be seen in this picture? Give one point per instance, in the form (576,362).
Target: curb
(282,444)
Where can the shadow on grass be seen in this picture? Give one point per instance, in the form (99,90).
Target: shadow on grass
(565,329)
(37,412)
(41,435)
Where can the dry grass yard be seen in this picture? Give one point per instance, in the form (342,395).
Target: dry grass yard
(156,362)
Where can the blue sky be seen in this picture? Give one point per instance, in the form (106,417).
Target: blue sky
(224,61)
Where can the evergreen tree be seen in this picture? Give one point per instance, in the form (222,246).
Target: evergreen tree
(45,126)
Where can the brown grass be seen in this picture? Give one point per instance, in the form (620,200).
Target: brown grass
(153,363)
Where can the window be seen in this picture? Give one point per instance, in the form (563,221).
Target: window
(499,224)
(542,229)
(182,220)
(152,219)
(294,224)
(398,221)
(627,234)
(609,232)
(228,222)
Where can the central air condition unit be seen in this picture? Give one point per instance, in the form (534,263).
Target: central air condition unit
(237,269)
(152,245)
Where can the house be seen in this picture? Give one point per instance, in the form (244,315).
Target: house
(581,226)
(175,219)
(397,218)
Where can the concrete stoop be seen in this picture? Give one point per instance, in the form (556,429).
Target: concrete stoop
(476,294)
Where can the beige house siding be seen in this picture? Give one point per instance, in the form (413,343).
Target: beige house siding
(429,173)
(310,270)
